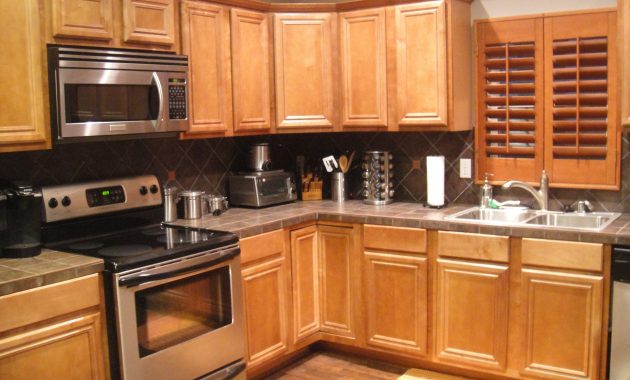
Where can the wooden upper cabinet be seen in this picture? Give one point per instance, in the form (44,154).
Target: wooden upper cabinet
(251,69)
(582,133)
(23,102)
(91,19)
(363,68)
(421,65)
(206,40)
(562,322)
(623,7)
(304,70)
(509,91)
(149,21)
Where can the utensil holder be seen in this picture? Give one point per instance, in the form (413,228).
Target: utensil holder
(338,187)
(378,174)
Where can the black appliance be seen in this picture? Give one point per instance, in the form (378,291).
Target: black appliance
(20,219)
(619,324)
(173,294)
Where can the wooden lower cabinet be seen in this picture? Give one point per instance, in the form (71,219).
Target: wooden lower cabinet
(396,302)
(562,321)
(266,297)
(472,313)
(305,281)
(53,332)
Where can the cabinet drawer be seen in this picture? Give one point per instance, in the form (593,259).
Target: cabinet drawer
(34,305)
(474,246)
(262,246)
(400,239)
(563,254)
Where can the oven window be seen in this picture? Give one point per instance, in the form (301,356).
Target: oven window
(110,103)
(178,311)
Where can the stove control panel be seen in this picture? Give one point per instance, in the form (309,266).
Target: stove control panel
(100,197)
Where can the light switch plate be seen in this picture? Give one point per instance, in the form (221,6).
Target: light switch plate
(465,168)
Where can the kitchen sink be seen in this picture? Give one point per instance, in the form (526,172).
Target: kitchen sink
(590,221)
(505,215)
(518,216)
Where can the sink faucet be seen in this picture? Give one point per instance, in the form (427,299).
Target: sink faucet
(541,195)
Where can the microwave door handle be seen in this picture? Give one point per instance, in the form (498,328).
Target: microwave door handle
(142,278)
(158,84)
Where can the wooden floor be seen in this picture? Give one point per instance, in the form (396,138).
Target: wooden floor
(332,366)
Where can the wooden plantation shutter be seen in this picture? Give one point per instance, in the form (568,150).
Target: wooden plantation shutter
(509,63)
(581,126)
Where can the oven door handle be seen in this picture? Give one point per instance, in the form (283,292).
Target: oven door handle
(216,258)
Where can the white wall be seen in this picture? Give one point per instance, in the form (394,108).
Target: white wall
(482,9)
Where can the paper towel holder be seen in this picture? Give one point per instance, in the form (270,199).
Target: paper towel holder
(425,204)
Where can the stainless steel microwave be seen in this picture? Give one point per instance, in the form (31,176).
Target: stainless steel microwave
(100,93)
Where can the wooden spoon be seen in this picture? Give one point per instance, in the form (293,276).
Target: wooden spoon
(343,163)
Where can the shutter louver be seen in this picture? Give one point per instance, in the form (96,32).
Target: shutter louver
(580,98)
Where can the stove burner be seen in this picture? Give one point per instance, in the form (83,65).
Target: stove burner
(88,245)
(124,250)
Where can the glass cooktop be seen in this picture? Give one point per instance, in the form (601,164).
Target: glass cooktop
(144,246)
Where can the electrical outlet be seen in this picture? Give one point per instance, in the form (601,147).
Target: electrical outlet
(465,168)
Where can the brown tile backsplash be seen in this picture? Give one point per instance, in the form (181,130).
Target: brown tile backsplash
(206,164)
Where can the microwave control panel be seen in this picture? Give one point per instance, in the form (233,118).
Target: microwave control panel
(177,99)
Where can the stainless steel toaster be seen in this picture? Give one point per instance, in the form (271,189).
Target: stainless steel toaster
(260,189)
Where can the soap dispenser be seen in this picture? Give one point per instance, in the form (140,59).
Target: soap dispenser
(486,192)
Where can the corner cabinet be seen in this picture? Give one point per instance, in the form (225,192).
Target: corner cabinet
(54,332)
(24,102)
(304,62)
(206,42)
(623,8)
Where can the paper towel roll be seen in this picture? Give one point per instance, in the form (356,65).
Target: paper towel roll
(435,181)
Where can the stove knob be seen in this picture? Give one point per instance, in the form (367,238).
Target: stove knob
(143,190)
(153,189)
(66,201)
(52,203)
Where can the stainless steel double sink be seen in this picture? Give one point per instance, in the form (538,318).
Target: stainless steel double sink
(517,216)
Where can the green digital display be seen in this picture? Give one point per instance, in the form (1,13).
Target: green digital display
(105,193)
(176,80)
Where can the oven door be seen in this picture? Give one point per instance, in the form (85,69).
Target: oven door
(181,320)
(98,102)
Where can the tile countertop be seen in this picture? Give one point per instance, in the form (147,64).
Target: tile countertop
(47,268)
(249,222)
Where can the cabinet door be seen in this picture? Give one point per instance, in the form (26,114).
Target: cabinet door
(421,66)
(23,124)
(83,19)
(472,313)
(562,314)
(265,294)
(582,137)
(363,68)
(305,277)
(149,21)
(304,70)
(338,271)
(67,349)
(251,69)
(624,43)
(396,300)
(206,41)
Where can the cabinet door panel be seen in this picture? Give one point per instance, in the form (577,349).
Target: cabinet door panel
(472,311)
(67,349)
(563,318)
(363,67)
(264,295)
(23,124)
(91,19)
(304,70)
(624,42)
(337,293)
(250,65)
(304,265)
(149,21)
(421,64)
(206,41)
(396,301)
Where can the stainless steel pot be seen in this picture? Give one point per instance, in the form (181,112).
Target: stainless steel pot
(260,157)
(192,203)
